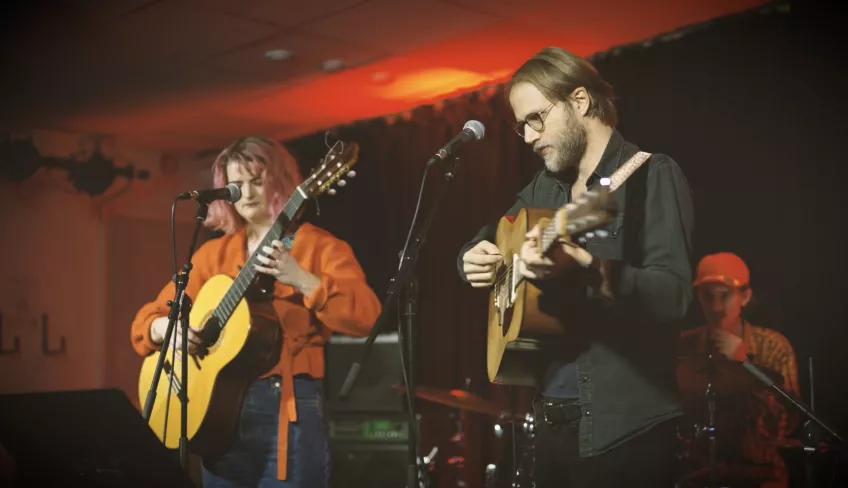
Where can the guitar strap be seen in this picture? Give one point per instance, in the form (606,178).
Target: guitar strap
(625,170)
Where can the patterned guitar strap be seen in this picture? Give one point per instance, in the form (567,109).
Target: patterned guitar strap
(625,170)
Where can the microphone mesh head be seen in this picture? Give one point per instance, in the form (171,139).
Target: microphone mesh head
(235,192)
(476,128)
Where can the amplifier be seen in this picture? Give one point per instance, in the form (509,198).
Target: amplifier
(369,428)
(374,389)
(369,450)
(368,466)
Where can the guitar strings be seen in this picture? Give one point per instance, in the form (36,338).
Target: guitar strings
(549,231)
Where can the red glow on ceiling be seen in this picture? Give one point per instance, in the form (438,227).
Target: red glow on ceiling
(397,84)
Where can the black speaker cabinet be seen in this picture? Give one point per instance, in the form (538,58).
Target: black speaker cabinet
(374,390)
(369,450)
(90,438)
(368,465)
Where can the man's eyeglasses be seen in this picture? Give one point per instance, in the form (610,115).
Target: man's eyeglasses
(536,121)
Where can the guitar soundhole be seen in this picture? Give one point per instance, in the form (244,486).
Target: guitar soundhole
(211,331)
(507,319)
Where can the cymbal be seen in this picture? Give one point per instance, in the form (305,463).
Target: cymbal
(728,376)
(458,399)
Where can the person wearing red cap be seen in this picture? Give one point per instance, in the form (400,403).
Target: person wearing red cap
(750,420)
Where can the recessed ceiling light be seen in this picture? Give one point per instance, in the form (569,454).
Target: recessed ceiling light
(331,65)
(278,54)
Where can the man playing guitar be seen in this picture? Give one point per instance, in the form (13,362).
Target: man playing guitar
(607,401)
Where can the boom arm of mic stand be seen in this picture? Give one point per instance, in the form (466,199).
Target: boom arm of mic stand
(400,280)
(805,410)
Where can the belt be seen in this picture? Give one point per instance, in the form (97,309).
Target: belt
(555,412)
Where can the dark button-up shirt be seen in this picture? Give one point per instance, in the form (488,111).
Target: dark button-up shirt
(620,353)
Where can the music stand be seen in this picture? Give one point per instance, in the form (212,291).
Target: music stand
(91,438)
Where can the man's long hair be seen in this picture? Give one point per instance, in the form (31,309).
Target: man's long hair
(557,73)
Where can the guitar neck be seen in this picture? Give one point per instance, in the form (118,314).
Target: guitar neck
(548,237)
(248,273)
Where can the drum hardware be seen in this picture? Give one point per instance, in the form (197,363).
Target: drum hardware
(522,429)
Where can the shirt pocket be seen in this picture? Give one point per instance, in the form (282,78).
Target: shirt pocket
(609,244)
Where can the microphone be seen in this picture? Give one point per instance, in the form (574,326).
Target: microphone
(230,192)
(473,130)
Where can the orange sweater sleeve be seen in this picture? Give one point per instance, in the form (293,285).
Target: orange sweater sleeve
(202,269)
(343,301)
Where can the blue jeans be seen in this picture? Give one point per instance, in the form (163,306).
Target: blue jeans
(252,459)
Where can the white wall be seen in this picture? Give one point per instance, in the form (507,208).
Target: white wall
(55,259)
(50,265)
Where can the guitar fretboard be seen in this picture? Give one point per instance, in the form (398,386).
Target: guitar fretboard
(248,273)
(548,236)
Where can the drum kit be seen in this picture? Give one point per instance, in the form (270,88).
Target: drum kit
(714,377)
(515,466)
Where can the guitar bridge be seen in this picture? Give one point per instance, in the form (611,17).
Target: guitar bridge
(505,294)
(514,277)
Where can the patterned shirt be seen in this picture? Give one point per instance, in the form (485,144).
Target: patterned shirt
(748,426)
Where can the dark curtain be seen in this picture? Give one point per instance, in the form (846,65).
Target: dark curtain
(750,106)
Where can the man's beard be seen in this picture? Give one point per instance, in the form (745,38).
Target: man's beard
(569,147)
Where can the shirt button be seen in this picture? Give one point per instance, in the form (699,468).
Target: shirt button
(276,384)
(587,413)
(584,378)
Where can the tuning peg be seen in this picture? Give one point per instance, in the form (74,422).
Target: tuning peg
(590,235)
(351,174)
(331,191)
(342,183)
(602,233)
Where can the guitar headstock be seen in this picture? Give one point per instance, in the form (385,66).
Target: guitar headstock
(334,165)
(581,218)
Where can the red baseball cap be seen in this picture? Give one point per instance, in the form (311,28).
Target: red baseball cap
(723,267)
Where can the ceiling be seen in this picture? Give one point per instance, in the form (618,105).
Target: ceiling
(193,74)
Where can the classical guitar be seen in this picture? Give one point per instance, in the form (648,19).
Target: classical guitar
(241,335)
(516,322)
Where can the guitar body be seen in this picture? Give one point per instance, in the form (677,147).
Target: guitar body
(516,323)
(248,347)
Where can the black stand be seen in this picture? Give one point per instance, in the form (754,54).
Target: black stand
(811,437)
(404,279)
(710,429)
(180,308)
(805,410)
(410,295)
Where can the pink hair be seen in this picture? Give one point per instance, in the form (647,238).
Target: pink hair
(260,156)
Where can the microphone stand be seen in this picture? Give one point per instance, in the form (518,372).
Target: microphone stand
(810,439)
(180,308)
(711,405)
(404,280)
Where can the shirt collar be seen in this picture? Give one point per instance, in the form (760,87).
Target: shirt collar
(610,159)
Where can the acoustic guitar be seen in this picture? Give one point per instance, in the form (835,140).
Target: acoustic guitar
(241,336)
(516,322)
